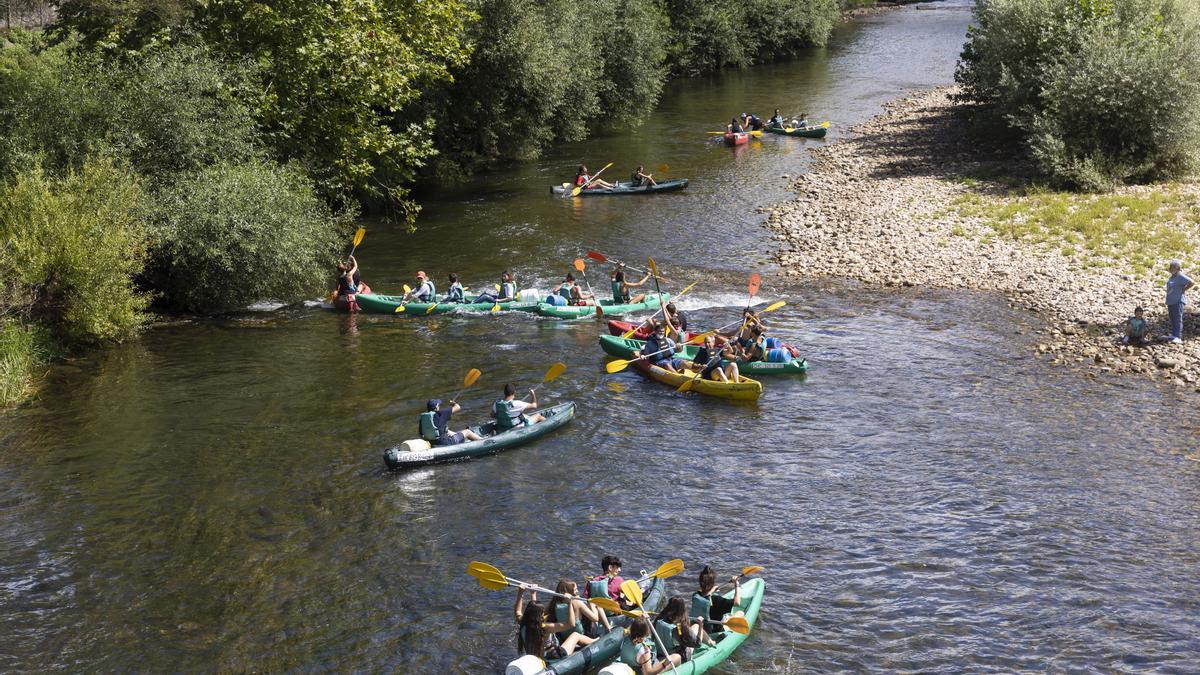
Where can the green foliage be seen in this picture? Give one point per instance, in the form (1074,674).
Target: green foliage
(72,248)
(164,112)
(1101,92)
(23,350)
(707,36)
(232,234)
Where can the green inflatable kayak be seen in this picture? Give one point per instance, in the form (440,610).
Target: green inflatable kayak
(623,348)
(606,648)
(706,657)
(391,304)
(606,308)
(803,132)
(419,453)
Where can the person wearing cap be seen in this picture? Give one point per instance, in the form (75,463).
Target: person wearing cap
(751,122)
(424,292)
(1177,284)
(434,425)
(621,286)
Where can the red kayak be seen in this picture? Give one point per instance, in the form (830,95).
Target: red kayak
(343,303)
(619,328)
(736,139)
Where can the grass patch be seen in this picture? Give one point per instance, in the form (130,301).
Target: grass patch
(23,353)
(1135,231)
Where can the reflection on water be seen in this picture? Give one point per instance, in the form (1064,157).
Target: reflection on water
(211,497)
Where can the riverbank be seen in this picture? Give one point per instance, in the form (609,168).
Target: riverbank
(911,200)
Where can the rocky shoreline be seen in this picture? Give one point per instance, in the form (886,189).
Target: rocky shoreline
(881,207)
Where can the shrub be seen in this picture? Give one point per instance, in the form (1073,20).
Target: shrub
(1101,92)
(23,349)
(231,234)
(73,246)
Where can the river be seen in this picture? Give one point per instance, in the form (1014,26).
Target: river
(931,497)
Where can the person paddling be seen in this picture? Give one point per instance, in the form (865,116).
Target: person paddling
(608,584)
(680,633)
(644,655)
(659,350)
(347,284)
(587,613)
(537,632)
(639,177)
(708,358)
(454,294)
(677,323)
(621,285)
(434,424)
(424,292)
(510,413)
(776,121)
(507,292)
(751,122)
(582,178)
(708,604)
(734,127)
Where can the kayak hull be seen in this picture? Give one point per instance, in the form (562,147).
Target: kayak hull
(397,457)
(736,139)
(623,189)
(607,308)
(392,304)
(623,348)
(799,132)
(705,657)
(607,647)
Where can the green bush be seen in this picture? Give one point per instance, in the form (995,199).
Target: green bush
(1100,92)
(72,248)
(23,350)
(232,234)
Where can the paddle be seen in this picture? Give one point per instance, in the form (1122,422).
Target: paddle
(581,267)
(472,375)
(621,364)
(577,190)
(756,134)
(552,374)
(663,168)
(662,307)
(665,570)
(407,289)
(493,579)
(629,333)
(633,593)
(358,237)
(737,624)
(601,258)
(746,571)
(687,385)
(613,607)
(701,336)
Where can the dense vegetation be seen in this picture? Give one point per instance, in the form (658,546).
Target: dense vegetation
(1100,91)
(201,156)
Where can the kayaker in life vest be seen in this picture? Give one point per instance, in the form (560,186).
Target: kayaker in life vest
(751,122)
(347,284)
(536,633)
(680,633)
(641,650)
(677,324)
(802,122)
(607,585)
(756,350)
(434,424)
(592,620)
(776,121)
(708,358)
(424,292)
(708,603)
(639,177)
(660,350)
(506,293)
(734,127)
(454,294)
(621,285)
(573,294)
(582,178)
(510,413)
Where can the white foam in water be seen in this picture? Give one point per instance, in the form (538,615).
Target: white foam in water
(266,306)
(694,300)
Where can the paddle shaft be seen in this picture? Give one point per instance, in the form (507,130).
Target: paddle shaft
(581,188)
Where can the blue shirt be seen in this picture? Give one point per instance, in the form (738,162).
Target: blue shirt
(1175,286)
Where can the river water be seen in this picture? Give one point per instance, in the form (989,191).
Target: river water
(929,498)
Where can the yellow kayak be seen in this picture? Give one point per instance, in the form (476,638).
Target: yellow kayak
(744,389)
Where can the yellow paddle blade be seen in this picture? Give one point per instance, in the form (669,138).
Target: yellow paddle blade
(668,569)
(431,308)
(579,265)
(738,624)
(631,332)
(773,306)
(617,366)
(358,236)
(825,124)
(555,370)
(699,339)
(753,569)
(756,134)
(493,583)
(653,266)
(607,604)
(473,375)
(478,569)
(686,386)
(496,307)
(717,133)
(497,286)
(407,288)
(400,309)
(663,168)
(632,591)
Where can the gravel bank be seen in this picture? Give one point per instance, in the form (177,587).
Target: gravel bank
(881,207)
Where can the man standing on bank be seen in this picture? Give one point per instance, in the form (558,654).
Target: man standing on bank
(1177,285)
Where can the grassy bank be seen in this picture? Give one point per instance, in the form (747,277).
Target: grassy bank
(24,351)
(1131,230)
